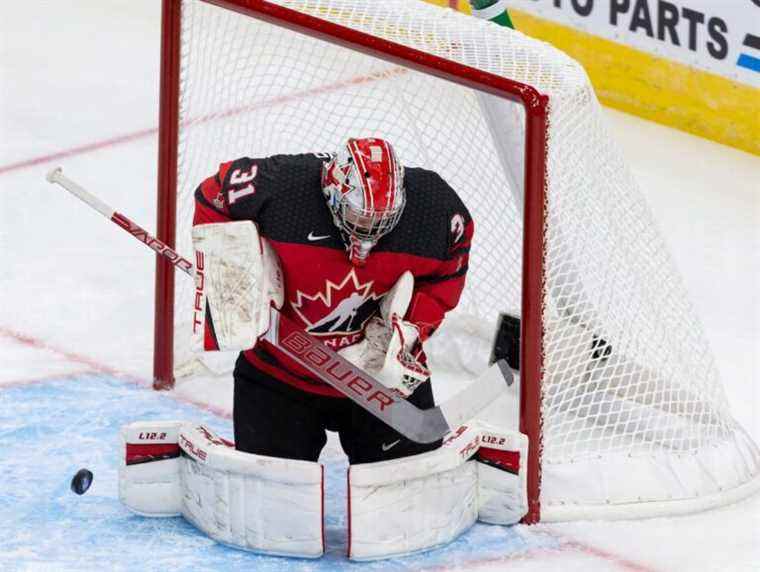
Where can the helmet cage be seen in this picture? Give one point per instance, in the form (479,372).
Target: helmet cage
(366,224)
(347,199)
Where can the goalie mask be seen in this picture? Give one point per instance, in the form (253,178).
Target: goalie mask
(364,187)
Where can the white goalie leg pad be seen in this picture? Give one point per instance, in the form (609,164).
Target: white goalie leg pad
(417,503)
(263,504)
(502,476)
(237,278)
(412,504)
(149,481)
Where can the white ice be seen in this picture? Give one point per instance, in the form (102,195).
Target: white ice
(77,292)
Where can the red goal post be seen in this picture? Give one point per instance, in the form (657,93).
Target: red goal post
(604,321)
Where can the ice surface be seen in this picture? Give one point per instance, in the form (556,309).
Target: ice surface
(53,428)
(77,297)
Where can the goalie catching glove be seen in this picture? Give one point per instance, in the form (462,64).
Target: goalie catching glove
(391,349)
(237,278)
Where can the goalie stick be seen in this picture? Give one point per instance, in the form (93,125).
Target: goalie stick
(422,426)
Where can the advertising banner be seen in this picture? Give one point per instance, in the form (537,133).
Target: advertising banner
(719,36)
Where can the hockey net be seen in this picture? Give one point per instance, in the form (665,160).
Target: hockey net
(624,408)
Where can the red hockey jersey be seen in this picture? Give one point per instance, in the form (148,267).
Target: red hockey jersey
(324,292)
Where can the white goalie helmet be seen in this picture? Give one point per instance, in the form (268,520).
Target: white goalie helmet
(364,187)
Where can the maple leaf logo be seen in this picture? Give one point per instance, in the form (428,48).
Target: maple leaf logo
(341,308)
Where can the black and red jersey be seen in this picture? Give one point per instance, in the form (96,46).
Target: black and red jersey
(324,292)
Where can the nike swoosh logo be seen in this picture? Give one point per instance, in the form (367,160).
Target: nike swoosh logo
(312,238)
(390,445)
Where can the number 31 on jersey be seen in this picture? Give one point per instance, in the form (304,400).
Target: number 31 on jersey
(239,177)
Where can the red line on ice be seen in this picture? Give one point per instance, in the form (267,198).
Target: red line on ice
(96,367)
(79,150)
(560,552)
(143,133)
(70,356)
(624,563)
(44,378)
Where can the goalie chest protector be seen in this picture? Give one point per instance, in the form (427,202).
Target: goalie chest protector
(324,292)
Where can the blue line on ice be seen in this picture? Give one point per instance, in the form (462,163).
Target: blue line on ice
(50,430)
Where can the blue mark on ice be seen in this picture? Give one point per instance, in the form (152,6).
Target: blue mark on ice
(50,430)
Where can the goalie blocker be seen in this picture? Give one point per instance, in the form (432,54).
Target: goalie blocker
(275,506)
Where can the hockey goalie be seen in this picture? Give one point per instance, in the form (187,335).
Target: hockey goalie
(368,256)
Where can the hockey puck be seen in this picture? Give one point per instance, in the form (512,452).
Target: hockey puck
(81,481)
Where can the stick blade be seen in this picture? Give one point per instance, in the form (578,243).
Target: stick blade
(474,398)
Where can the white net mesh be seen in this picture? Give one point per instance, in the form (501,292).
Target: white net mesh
(628,378)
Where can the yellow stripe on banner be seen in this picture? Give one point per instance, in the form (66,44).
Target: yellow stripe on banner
(654,87)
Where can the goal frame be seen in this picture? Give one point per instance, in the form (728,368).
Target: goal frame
(535,105)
